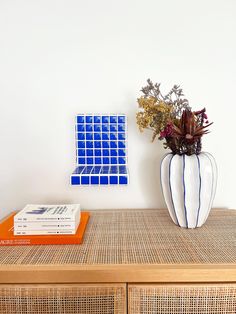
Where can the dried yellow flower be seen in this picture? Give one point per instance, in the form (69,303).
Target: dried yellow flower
(154,114)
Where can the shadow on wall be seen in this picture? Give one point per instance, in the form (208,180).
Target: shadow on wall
(149,158)
(150,181)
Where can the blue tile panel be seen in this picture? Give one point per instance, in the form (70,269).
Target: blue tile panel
(101,150)
(103,175)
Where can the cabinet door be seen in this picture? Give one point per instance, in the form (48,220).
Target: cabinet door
(63,299)
(182,298)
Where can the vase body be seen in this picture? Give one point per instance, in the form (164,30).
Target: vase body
(189,186)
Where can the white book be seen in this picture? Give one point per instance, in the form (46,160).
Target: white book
(44,232)
(49,213)
(32,225)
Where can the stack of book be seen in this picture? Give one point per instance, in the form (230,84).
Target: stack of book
(44,224)
(47,219)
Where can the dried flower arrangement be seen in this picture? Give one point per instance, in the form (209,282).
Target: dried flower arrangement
(171,119)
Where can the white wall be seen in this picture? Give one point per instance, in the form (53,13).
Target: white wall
(59,58)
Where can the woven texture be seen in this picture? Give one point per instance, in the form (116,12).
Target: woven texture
(182,299)
(62,300)
(137,237)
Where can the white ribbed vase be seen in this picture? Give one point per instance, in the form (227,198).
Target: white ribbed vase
(189,186)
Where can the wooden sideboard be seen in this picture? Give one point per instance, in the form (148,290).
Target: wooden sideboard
(131,261)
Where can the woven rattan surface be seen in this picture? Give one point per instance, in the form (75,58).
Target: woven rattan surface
(137,237)
(182,299)
(63,299)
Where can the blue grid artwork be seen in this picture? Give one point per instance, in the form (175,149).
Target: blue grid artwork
(101,150)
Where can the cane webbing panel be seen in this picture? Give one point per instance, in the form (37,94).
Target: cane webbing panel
(97,299)
(198,299)
(137,237)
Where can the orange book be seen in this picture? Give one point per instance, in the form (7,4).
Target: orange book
(8,238)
